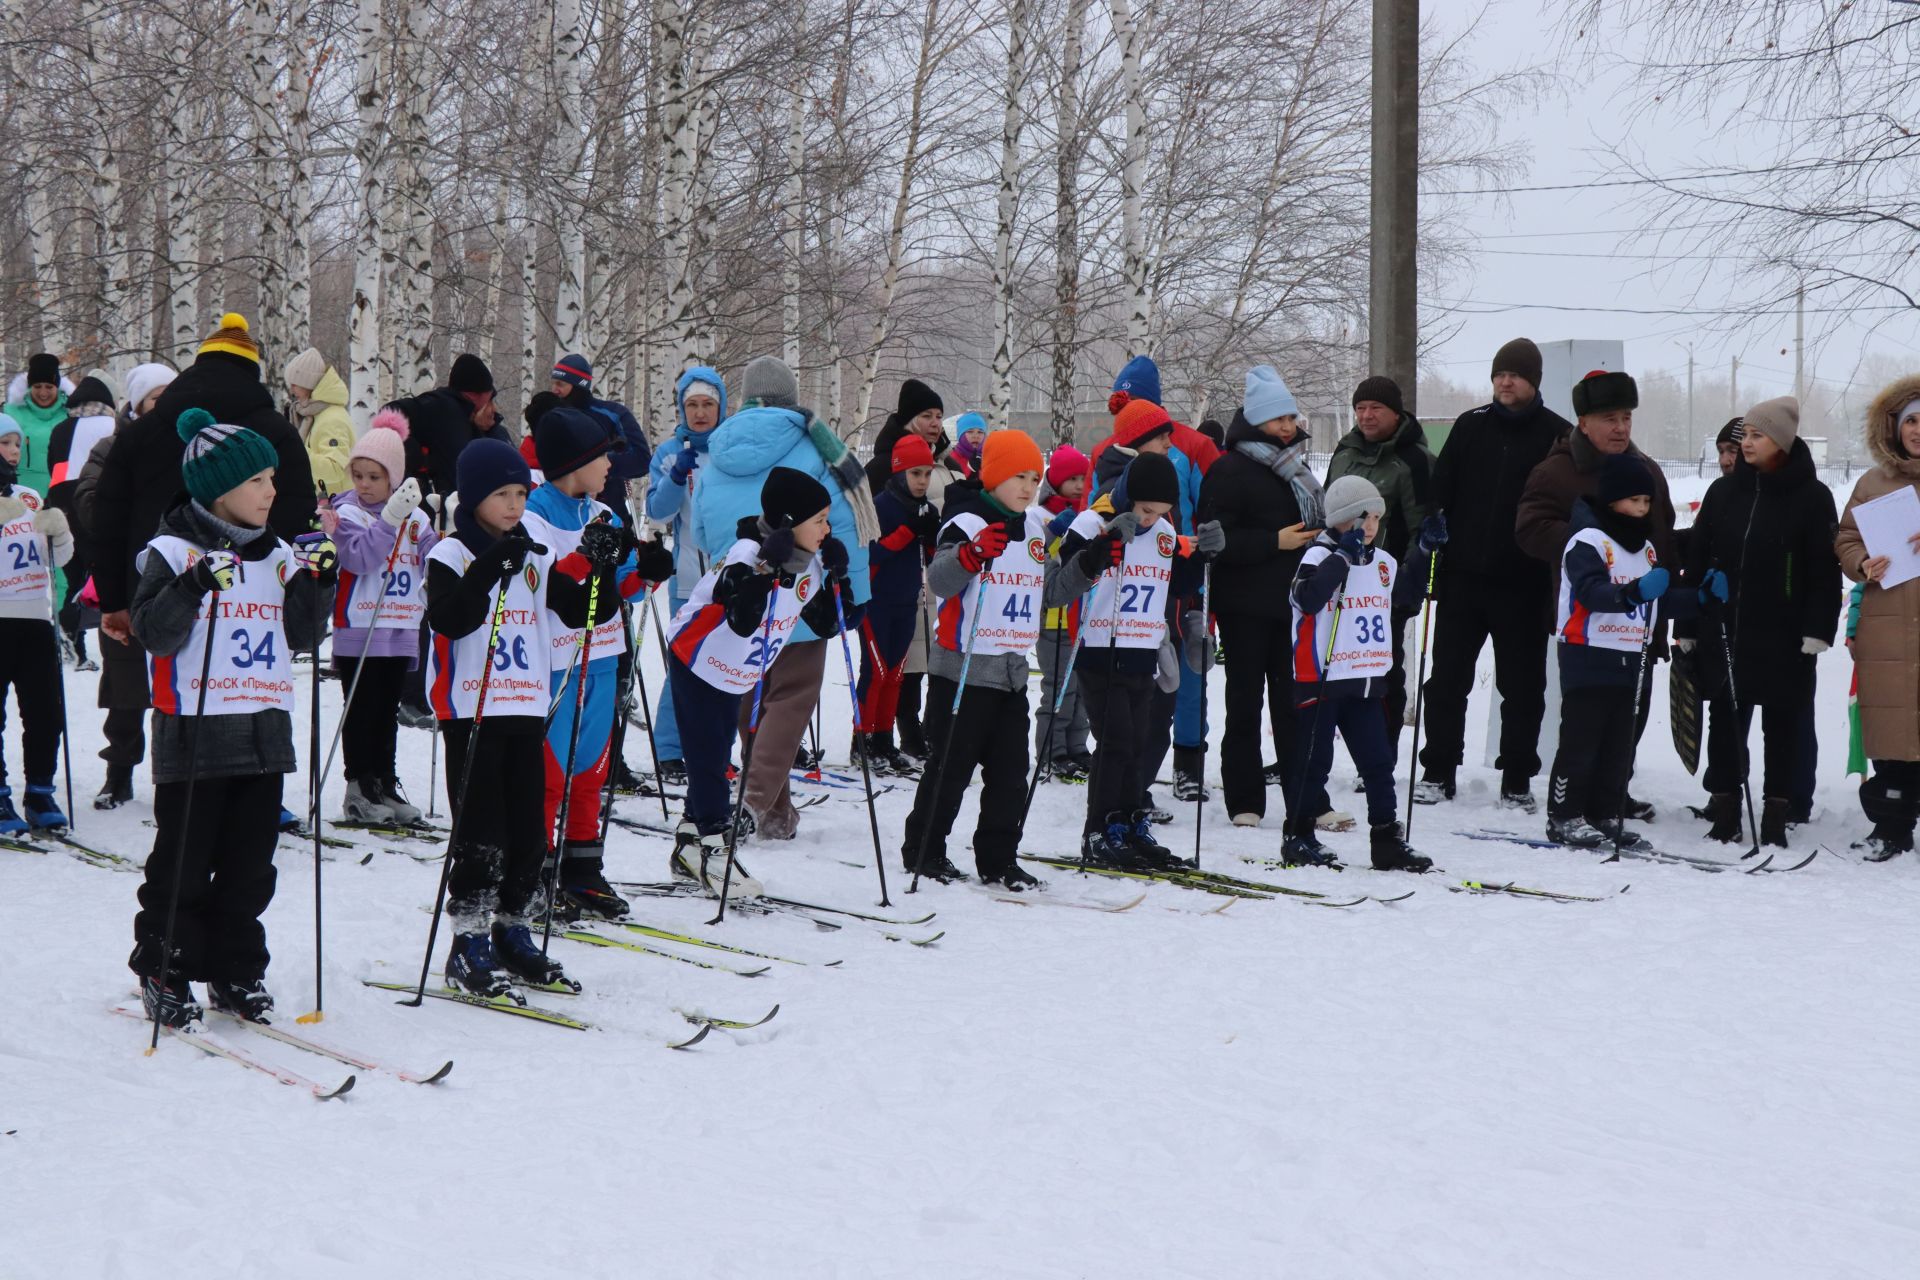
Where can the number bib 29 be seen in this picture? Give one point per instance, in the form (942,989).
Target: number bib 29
(250,669)
(519,680)
(398,598)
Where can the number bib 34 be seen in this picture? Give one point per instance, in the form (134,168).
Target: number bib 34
(250,669)
(519,682)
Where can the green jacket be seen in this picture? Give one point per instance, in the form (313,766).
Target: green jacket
(1401,468)
(36,428)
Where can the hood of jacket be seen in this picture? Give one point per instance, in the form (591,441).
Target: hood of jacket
(331,389)
(753,440)
(1409,434)
(698,373)
(1883,428)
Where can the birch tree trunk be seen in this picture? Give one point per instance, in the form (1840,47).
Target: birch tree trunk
(568,44)
(1000,401)
(269,270)
(371,62)
(43,241)
(298,181)
(185,170)
(792,197)
(489,342)
(1066,226)
(107,197)
(415,263)
(529,303)
(1133,179)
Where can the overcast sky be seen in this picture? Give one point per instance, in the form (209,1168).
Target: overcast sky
(1575,263)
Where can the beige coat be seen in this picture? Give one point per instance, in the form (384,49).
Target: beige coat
(1886,645)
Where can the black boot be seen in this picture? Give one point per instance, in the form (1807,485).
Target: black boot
(1149,850)
(118,788)
(247,998)
(171,1003)
(1886,842)
(1189,781)
(1723,811)
(1391,852)
(583,883)
(1773,822)
(517,953)
(1303,848)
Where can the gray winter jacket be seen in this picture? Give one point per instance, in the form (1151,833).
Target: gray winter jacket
(163,610)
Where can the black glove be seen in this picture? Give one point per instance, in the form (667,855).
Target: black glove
(833,557)
(746,601)
(214,571)
(777,548)
(506,557)
(926,523)
(656,562)
(602,545)
(1353,545)
(1101,554)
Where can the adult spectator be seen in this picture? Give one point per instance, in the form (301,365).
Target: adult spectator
(631,454)
(445,420)
(1769,528)
(1388,448)
(774,431)
(1726,445)
(319,413)
(1487,586)
(1885,656)
(90,419)
(1270,507)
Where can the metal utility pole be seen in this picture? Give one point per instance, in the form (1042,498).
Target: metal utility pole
(1392,313)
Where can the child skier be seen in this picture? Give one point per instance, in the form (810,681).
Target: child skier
(1063,744)
(226,740)
(34,539)
(1610,589)
(574,450)
(785,569)
(490,587)
(1344,594)
(897,562)
(384,539)
(1140,564)
(994,582)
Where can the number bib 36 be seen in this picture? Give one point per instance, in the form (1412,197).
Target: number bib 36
(1130,603)
(519,683)
(1363,646)
(250,669)
(398,598)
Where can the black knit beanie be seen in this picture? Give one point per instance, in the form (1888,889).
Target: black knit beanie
(1151,478)
(1731,433)
(1624,476)
(43,367)
(1381,390)
(470,374)
(1520,356)
(790,497)
(916,397)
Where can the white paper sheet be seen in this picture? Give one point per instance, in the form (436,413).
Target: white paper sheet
(1886,524)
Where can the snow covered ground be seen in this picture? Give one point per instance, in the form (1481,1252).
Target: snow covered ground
(1711,1075)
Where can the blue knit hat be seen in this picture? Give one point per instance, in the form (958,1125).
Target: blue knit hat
(1139,380)
(1267,396)
(219,458)
(567,439)
(486,465)
(574,371)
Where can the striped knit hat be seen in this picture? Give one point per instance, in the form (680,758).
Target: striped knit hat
(232,338)
(219,458)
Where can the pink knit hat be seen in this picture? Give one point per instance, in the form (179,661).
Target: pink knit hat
(385,443)
(1066,463)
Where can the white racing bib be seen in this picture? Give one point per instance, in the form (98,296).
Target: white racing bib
(250,668)
(519,682)
(1135,598)
(1363,647)
(26,562)
(1626,632)
(402,605)
(610,637)
(1010,608)
(712,650)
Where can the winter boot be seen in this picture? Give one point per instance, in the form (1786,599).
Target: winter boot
(1433,788)
(583,883)
(246,998)
(1303,848)
(81,662)
(1885,843)
(1773,822)
(118,788)
(416,715)
(939,867)
(516,952)
(473,967)
(43,811)
(1575,832)
(1110,846)
(1014,878)
(1150,850)
(1639,810)
(1189,781)
(1723,811)
(365,804)
(913,738)
(703,860)
(672,773)
(405,814)
(1334,820)
(1246,819)
(170,1003)
(1516,793)
(11,823)
(1391,852)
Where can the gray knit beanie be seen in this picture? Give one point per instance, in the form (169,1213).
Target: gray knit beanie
(1351,497)
(769,381)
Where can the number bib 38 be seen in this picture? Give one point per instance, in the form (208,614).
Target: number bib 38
(519,681)
(1011,607)
(250,669)
(712,650)
(1129,607)
(1363,647)
(398,598)
(24,561)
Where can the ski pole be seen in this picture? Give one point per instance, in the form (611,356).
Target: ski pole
(1420,685)
(186,810)
(313,817)
(433,770)
(646,719)
(1053,710)
(1639,681)
(66,744)
(746,754)
(866,771)
(460,799)
(559,841)
(1206,614)
(939,767)
(1739,728)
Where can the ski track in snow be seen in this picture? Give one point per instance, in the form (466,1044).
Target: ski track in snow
(1710,1076)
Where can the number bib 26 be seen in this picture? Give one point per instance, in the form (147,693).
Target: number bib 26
(250,669)
(712,650)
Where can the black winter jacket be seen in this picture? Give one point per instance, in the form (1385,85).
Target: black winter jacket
(1252,575)
(439,426)
(1478,479)
(1771,533)
(140,479)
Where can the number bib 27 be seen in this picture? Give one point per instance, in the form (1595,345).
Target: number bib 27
(250,668)
(1132,600)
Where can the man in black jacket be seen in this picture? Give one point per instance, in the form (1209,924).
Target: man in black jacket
(445,420)
(1488,586)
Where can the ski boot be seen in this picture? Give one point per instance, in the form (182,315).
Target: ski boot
(43,811)
(289,823)
(1189,780)
(1723,810)
(117,789)
(1639,810)
(171,1004)
(1433,789)
(1111,845)
(1014,878)
(1150,851)
(938,866)
(1067,769)
(11,823)
(1154,812)
(671,773)
(1576,832)
(473,967)
(247,998)
(1517,794)
(583,883)
(1773,821)
(516,952)
(703,860)
(365,804)
(866,746)
(405,814)
(625,781)
(416,715)
(1303,849)
(1391,852)
(1612,829)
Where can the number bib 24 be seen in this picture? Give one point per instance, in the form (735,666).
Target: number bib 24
(250,669)
(1133,601)
(24,561)
(1363,647)
(1011,605)
(400,597)
(519,683)
(714,651)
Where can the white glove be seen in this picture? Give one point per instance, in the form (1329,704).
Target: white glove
(1813,648)
(404,502)
(11,509)
(51,522)
(1684,646)
(449,505)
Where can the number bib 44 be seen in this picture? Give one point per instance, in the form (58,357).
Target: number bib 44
(714,651)
(519,682)
(250,669)
(400,597)
(1132,601)
(1363,646)
(1011,607)
(24,561)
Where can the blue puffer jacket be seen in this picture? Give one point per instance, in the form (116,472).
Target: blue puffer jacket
(740,453)
(667,501)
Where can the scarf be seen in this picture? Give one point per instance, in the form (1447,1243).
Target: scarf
(304,414)
(1629,531)
(1290,464)
(851,476)
(237,534)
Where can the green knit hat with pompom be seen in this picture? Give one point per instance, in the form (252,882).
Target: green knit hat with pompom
(220,458)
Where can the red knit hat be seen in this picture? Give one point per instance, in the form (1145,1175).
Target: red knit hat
(1140,420)
(911,451)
